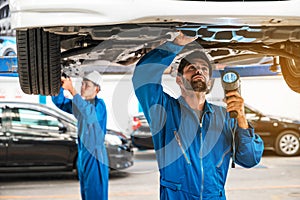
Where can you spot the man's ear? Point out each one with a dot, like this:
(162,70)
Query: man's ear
(98,89)
(179,80)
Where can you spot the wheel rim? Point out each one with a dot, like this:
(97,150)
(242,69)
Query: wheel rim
(289,144)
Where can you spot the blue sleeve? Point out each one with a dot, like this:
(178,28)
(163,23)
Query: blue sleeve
(147,76)
(62,102)
(84,110)
(249,147)
(101,114)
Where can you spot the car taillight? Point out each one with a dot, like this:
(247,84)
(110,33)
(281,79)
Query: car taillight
(136,123)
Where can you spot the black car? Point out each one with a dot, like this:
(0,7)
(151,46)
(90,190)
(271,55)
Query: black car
(37,138)
(279,134)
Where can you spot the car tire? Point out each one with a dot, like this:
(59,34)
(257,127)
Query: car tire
(39,62)
(290,68)
(75,168)
(287,143)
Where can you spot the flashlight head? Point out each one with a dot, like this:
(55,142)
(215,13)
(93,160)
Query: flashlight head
(231,81)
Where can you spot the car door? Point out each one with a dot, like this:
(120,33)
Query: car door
(3,141)
(37,139)
(264,126)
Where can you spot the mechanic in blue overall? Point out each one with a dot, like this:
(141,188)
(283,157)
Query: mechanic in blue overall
(90,112)
(194,140)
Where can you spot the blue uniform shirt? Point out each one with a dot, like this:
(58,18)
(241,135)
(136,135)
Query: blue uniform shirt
(193,154)
(92,163)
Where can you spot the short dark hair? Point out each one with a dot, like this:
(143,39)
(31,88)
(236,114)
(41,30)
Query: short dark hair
(194,55)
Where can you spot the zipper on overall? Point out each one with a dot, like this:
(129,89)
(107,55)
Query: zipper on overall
(181,147)
(201,155)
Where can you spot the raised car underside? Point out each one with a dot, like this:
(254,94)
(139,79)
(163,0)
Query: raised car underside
(117,48)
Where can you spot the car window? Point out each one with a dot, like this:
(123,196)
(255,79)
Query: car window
(250,114)
(33,118)
(248,111)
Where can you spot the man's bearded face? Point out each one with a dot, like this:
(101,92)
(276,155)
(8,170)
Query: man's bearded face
(196,85)
(196,75)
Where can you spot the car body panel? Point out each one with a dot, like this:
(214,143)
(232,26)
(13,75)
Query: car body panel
(120,32)
(120,157)
(3,141)
(37,138)
(76,12)
(267,127)
(8,46)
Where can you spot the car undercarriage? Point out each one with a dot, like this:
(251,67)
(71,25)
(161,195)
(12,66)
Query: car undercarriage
(71,48)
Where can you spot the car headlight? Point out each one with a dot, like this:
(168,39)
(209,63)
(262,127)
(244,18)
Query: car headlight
(112,139)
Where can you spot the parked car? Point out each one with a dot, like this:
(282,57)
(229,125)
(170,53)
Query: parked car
(35,137)
(278,133)
(8,46)
(141,136)
(74,32)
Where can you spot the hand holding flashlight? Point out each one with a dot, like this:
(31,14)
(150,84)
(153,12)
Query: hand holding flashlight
(231,82)
(235,103)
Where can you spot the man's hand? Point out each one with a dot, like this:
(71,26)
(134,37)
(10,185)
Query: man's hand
(235,102)
(183,40)
(68,85)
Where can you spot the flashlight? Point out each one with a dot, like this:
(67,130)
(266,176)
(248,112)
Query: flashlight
(231,82)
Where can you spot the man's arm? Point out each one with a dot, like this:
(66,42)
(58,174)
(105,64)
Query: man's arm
(148,73)
(235,102)
(84,110)
(81,108)
(62,102)
(149,70)
(249,147)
